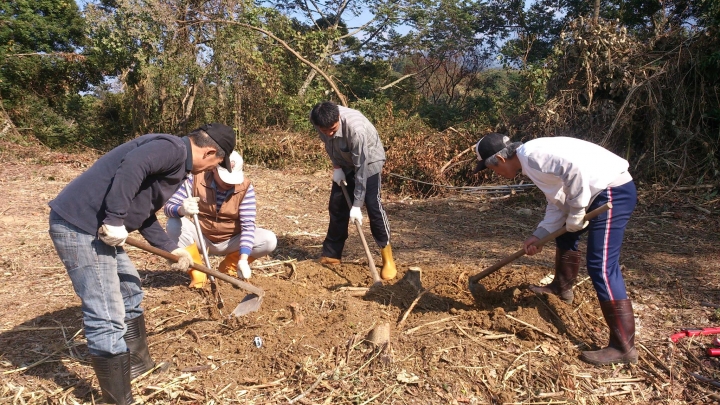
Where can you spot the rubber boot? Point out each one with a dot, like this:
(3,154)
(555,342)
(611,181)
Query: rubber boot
(621,350)
(329,260)
(388,271)
(113,373)
(136,341)
(229,264)
(567,265)
(198,279)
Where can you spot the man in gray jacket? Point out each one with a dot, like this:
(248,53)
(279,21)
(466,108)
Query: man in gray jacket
(357,155)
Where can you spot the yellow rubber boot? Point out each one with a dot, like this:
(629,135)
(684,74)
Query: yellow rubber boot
(198,279)
(229,263)
(388,271)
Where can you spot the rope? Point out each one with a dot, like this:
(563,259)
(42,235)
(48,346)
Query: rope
(471,189)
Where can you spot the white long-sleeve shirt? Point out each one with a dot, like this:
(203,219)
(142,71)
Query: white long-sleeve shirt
(571,173)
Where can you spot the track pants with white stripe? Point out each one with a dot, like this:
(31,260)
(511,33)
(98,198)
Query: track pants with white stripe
(605,237)
(340,215)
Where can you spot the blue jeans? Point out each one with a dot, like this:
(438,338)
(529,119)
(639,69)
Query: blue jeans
(105,280)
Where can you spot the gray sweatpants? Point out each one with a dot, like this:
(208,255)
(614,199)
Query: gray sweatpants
(182,231)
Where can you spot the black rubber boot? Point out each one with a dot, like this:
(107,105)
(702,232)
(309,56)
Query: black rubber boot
(621,350)
(567,265)
(113,373)
(136,341)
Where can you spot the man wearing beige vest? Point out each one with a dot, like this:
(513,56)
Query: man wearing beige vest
(224,202)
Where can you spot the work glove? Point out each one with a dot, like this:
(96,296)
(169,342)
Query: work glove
(338,176)
(113,235)
(356,215)
(575,220)
(185,260)
(189,207)
(244,267)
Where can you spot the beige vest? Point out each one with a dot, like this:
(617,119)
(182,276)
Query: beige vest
(219,226)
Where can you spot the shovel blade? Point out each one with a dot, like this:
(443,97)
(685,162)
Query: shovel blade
(250,303)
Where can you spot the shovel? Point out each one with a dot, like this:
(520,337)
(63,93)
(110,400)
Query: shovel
(250,303)
(476,288)
(201,242)
(371,262)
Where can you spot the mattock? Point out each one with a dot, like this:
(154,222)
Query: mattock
(371,262)
(250,303)
(477,288)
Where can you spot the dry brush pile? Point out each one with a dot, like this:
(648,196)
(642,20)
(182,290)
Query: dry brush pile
(654,101)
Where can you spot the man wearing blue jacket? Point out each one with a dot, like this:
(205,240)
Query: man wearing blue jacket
(89,222)
(576,177)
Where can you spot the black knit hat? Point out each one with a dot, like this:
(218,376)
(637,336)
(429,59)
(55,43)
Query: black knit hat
(487,146)
(224,136)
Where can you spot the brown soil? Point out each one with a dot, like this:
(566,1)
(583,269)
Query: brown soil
(513,347)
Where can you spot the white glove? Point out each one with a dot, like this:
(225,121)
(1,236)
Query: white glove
(575,221)
(113,235)
(184,262)
(356,215)
(338,176)
(189,206)
(244,268)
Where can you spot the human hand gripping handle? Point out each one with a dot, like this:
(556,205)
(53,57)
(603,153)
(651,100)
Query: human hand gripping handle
(338,175)
(356,215)
(371,263)
(244,267)
(539,243)
(184,260)
(113,235)
(189,206)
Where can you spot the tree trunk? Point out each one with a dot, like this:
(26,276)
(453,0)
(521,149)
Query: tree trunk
(306,84)
(238,120)
(313,73)
(596,13)
(187,106)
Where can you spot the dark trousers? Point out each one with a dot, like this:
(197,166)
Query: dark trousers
(605,236)
(340,216)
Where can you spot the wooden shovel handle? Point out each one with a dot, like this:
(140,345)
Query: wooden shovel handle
(371,262)
(222,276)
(508,259)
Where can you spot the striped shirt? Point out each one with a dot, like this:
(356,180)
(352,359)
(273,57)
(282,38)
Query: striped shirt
(247,210)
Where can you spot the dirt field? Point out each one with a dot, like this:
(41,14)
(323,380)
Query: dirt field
(514,347)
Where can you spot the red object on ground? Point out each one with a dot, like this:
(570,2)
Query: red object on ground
(694,332)
(716,342)
(713,351)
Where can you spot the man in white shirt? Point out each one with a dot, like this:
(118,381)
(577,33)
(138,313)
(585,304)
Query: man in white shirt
(577,176)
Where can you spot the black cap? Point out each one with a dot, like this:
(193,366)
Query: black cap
(487,146)
(224,136)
